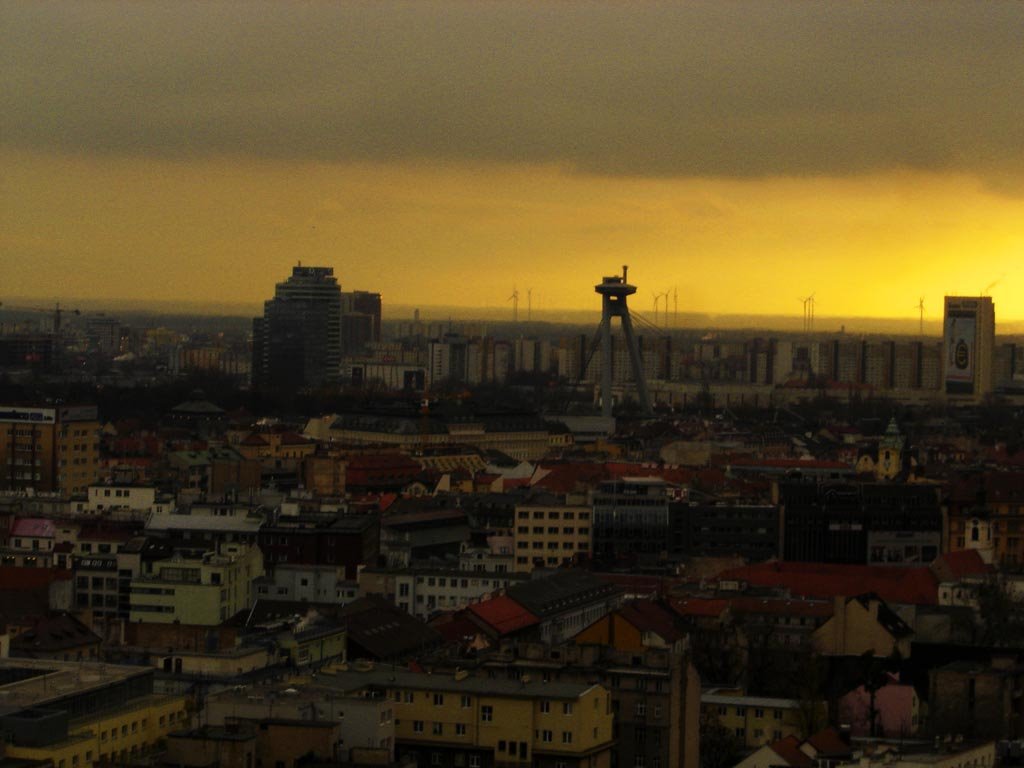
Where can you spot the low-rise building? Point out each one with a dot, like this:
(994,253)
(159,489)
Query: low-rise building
(189,589)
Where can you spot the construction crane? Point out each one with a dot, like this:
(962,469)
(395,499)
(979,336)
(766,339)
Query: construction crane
(58,312)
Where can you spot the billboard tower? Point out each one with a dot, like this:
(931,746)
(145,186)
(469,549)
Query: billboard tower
(614,291)
(969,330)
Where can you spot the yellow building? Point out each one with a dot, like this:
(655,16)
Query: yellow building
(49,450)
(759,720)
(862,625)
(458,720)
(549,536)
(206,590)
(80,715)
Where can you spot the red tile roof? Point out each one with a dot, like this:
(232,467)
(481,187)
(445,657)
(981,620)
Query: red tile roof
(789,750)
(33,527)
(699,606)
(962,563)
(828,742)
(503,614)
(914,586)
(648,616)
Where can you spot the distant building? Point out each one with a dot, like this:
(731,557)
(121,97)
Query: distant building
(969,333)
(297,342)
(631,517)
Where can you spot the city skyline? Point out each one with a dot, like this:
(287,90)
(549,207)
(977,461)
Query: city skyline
(447,154)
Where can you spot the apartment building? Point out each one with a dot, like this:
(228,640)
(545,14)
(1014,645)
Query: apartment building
(450,720)
(756,720)
(188,589)
(49,450)
(550,536)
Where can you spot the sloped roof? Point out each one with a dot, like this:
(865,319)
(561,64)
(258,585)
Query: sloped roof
(562,590)
(649,616)
(34,527)
(699,606)
(828,742)
(912,586)
(789,750)
(384,630)
(503,614)
(964,563)
(54,633)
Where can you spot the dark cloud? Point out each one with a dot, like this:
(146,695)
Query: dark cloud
(717,88)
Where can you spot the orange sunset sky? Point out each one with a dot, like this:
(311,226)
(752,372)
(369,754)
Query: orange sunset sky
(440,152)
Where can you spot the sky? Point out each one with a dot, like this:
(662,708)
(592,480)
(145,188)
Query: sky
(741,155)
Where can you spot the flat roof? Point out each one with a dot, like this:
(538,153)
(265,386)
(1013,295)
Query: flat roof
(383,676)
(42,680)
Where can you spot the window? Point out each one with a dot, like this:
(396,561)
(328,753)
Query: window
(545,707)
(474,761)
(486,713)
(641,709)
(567,708)
(758,712)
(777,714)
(546,736)
(417,726)
(438,729)
(438,699)
(460,729)
(407,697)
(465,702)
(567,737)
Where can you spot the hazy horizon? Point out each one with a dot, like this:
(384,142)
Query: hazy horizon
(694,321)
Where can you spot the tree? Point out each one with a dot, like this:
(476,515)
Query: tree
(719,747)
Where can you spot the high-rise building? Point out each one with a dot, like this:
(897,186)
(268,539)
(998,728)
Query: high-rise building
(360,320)
(297,342)
(969,337)
(49,449)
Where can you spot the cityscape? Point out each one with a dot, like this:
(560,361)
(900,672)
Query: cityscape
(511,385)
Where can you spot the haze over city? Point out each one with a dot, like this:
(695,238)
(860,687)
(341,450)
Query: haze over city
(445,153)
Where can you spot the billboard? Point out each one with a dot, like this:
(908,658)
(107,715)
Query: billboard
(960,350)
(28,415)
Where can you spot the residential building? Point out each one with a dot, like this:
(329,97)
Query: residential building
(343,541)
(550,536)
(461,720)
(757,720)
(189,589)
(84,714)
(49,449)
(425,590)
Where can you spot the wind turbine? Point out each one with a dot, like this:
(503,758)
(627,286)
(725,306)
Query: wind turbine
(920,309)
(514,298)
(529,304)
(657,298)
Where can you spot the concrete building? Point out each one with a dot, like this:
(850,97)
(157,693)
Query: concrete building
(297,342)
(425,590)
(189,589)
(49,449)
(84,714)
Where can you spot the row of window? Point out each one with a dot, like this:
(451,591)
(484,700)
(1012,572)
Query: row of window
(540,515)
(552,530)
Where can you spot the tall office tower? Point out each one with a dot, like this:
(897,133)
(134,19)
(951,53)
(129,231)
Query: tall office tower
(49,449)
(297,342)
(969,338)
(360,320)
